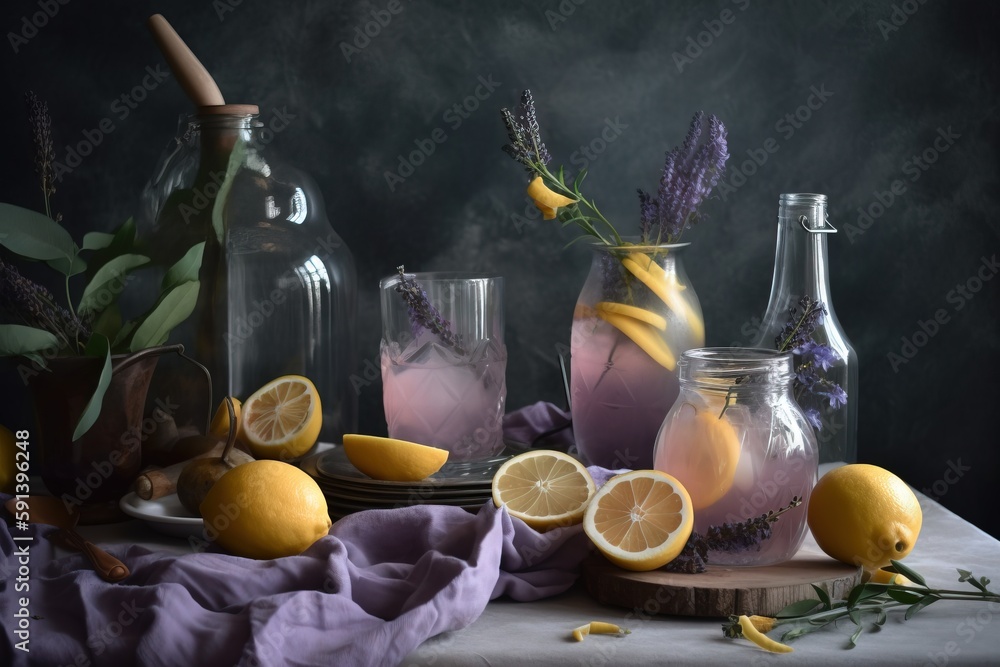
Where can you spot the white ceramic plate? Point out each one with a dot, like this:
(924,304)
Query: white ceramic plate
(165,515)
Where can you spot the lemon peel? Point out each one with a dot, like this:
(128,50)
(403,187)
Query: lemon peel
(547,201)
(599,628)
(762,640)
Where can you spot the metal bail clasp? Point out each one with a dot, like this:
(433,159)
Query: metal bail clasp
(827,228)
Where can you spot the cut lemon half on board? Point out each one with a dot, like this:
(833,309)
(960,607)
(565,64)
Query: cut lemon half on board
(706,456)
(640,520)
(544,488)
(282,419)
(393,460)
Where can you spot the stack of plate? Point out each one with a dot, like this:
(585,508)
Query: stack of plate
(347,489)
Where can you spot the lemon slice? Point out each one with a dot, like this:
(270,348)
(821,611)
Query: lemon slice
(668,289)
(220,422)
(649,317)
(640,520)
(643,335)
(393,460)
(544,488)
(704,454)
(282,419)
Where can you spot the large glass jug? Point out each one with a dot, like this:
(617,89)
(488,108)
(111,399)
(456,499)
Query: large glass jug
(278,285)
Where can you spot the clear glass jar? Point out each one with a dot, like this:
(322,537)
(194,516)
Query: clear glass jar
(278,285)
(623,357)
(741,446)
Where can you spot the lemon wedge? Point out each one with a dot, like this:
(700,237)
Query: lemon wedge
(393,460)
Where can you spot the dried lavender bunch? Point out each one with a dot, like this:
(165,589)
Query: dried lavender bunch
(811,360)
(25,300)
(41,131)
(423,314)
(690,173)
(729,537)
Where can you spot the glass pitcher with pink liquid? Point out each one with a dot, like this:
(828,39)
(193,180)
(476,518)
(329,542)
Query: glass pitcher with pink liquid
(741,446)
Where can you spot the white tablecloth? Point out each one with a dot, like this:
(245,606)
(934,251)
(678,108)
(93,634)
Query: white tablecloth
(537,633)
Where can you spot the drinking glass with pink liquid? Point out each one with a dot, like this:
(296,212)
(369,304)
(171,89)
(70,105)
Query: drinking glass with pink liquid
(443,361)
(741,446)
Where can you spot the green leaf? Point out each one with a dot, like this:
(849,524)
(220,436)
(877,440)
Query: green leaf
(578,181)
(855,616)
(97,240)
(123,335)
(34,235)
(863,592)
(906,597)
(97,346)
(798,632)
(218,207)
(122,243)
(800,608)
(109,322)
(173,308)
(104,288)
(880,618)
(912,575)
(854,637)
(18,339)
(68,266)
(185,269)
(963,575)
(926,600)
(824,597)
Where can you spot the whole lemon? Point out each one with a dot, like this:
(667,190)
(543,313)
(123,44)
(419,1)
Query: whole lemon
(8,449)
(265,509)
(864,515)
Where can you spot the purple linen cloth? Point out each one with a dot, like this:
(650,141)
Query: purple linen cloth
(380,584)
(369,593)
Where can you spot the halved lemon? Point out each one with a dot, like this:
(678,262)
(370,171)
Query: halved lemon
(640,520)
(282,419)
(544,488)
(393,460)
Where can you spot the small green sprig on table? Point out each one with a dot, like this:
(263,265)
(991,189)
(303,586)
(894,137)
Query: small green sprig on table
(871,600)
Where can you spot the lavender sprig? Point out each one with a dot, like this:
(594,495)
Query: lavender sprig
(690,172)
(730,537)
(526,144)
(423,314)
(41,129)
(27,301)
(811,359)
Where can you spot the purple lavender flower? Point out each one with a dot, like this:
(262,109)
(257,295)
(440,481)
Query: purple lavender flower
(25,300)
(690,172)
(820,355)
(814,419)
(423,314)
(811,359)
(802,322)
(522,131)
(733,537)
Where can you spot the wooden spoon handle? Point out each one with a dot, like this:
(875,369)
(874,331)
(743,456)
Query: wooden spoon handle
(108,567)
(191,74)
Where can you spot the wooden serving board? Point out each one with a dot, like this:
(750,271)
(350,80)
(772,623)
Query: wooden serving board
(719,591)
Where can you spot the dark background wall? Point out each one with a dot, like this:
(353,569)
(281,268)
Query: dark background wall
(892,77)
